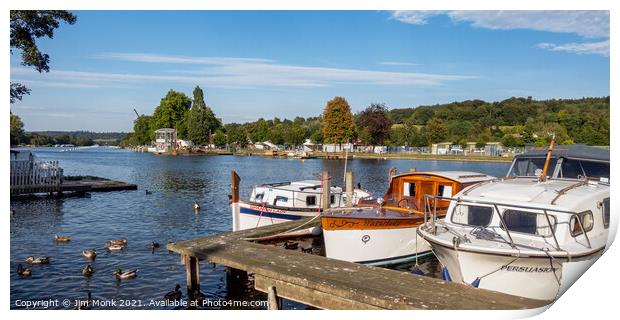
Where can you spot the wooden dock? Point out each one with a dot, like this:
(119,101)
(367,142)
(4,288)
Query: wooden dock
(331,284)
(93,184)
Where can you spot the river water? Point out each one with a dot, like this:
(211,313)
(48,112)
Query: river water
(166,214)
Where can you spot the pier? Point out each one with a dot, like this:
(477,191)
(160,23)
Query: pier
(327,283)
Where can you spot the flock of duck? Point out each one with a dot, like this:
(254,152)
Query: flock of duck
(91,254)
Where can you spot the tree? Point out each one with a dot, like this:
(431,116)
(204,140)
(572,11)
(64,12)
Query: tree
(436,131)
(143,132)
(17,129)
(219,138)
(171,113)
(201,121)
(236,134)
(295,135)
(26,27)
(338,123)
(375,120)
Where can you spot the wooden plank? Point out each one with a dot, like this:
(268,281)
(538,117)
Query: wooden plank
(314,298)
(365,285)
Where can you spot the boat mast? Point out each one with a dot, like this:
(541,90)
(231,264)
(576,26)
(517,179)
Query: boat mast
(543,176)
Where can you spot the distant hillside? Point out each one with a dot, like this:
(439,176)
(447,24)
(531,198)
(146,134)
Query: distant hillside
(83,134)
(583,120)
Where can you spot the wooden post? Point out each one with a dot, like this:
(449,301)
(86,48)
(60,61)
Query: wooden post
(325,185)
(272,299)
(192,275)
(235,280)
(234,201)
(349,187)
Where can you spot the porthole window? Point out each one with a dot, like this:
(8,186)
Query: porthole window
(587,220)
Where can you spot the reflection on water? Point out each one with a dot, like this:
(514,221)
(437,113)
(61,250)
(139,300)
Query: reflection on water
(166,214)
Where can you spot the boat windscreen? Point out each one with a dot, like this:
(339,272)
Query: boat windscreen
(526,167)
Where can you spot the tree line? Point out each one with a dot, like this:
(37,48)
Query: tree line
(515,122)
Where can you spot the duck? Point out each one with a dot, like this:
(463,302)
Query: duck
(37,260)
(120,275)
(148,192)
(24,272)
(89,254)
(88,271)
(174,295)
(154,245)
(115,247)
(122,242)
(169,243)
(196,205)
(58,238)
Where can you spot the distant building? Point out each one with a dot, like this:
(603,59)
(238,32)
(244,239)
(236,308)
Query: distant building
(309,146)
(265,145)
(165,139)
(337,147)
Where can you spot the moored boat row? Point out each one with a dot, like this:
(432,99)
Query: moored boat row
(530,234)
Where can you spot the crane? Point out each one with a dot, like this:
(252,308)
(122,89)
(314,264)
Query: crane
(134,110)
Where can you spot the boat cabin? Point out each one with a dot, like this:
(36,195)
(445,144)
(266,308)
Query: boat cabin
(567,161)
(297,194)
(406,191)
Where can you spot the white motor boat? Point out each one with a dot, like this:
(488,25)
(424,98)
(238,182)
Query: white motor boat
(280,202)
(524,236)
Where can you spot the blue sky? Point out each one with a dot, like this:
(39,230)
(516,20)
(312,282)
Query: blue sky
(255,64)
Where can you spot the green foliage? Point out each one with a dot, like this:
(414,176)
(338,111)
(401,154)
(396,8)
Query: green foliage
(375,122)
(436,131)
(171,113)
(200,120)
(17,129)
(338,123)
(219,138)
(142,130)
(237,134)
(26,27)
(583,120)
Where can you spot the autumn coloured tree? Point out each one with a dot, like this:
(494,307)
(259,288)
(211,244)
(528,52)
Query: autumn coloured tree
(338,122)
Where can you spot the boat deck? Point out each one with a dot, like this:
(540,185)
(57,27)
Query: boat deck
(332,284)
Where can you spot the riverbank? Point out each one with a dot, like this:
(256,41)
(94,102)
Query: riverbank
(386,156)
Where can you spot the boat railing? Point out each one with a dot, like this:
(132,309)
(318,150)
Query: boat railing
(430,216)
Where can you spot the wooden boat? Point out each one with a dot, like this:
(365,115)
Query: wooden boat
(383,231)
(286,201)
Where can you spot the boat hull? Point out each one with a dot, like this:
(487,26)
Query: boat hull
(539,278)
(249,215)
(387,242)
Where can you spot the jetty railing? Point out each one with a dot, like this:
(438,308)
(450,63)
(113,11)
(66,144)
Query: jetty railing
(35,176)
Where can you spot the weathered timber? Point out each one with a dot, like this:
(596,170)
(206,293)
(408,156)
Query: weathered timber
(94,184)
(332,284)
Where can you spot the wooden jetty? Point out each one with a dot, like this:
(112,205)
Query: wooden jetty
(330,284)
(94,184)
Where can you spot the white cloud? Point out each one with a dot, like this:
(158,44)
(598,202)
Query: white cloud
(600,48)
(590,24)
(397,63)
(239,72)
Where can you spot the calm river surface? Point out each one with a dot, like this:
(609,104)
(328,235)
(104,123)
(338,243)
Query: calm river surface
(165,215)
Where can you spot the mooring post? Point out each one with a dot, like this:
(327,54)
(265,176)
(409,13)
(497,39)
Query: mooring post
(234,201)
(272,299)
(325,185)
(192,275)
(349,187)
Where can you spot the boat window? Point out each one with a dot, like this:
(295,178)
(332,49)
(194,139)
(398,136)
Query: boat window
(259,197)
(529,222)
(310,200)
(409,189)
(444,191)
(606,213)
(528,166)
(472,215)
(586,220)
(572,168)
(332,199)
(279,199)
